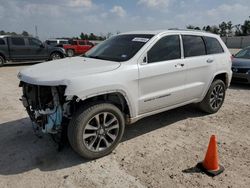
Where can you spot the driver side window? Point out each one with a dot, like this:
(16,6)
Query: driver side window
(167,48)
(34,42)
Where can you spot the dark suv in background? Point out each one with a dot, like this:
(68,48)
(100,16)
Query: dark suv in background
(19,49)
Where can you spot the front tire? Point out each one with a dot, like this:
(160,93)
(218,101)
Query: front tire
(214,98)
(2,61)
(96,131)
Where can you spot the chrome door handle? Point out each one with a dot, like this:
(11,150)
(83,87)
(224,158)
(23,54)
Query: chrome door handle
(210,61)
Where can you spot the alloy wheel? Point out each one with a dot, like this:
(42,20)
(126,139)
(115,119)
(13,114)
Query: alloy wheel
(217,95)
(55,56)
(101,131)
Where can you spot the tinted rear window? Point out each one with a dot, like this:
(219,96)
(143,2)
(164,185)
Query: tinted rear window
(81,43)
(193,46)
(18,41)
(2,42)
(51,42)
(63,42)
(213,46)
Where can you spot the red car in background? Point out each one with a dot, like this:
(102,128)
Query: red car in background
(76,47)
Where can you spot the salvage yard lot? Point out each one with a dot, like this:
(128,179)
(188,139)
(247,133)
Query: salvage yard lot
(159,151)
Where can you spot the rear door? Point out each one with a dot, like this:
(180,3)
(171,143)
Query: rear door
(83,47)
(19,50)
(162,78)
(200,66)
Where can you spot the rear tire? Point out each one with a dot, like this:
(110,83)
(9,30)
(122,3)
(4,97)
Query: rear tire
(55,56)
(96,131)
(70,53)
(2,61)
(214,98)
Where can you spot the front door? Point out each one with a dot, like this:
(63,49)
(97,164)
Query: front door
(162,79)
(38,51)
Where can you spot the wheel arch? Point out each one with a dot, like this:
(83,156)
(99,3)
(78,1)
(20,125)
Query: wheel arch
(3,56)
(117,98)
(222,76)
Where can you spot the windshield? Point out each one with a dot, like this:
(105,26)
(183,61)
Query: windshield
(245,54)
(119,48)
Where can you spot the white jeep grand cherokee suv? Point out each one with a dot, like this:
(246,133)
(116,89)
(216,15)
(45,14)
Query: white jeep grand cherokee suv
(123,79)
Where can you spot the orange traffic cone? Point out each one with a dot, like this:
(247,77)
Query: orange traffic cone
(210,165)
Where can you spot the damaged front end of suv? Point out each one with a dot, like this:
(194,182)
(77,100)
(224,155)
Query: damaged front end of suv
(46,106)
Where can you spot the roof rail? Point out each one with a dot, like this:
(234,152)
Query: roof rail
(187,30)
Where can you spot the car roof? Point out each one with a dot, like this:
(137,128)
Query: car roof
(3,36)
(57,39)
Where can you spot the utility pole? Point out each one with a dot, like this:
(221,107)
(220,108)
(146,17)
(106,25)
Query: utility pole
(36,31)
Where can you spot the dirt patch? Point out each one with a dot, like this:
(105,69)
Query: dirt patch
(159,151)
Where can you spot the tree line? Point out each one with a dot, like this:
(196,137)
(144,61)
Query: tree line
(24,33)
(226,28)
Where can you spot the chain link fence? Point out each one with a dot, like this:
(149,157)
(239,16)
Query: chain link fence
(237,42)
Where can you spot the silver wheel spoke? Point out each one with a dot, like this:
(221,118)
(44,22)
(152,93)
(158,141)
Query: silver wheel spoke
(115,126)
(97,119)
(87,135)
(113,137)
(104,117)
(106,142)
(92,142)
(98,144)
(110,122)
(91,127)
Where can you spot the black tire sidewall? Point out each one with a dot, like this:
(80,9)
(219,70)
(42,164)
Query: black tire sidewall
(80,121)
(2,61)
(206,105)
(54,53)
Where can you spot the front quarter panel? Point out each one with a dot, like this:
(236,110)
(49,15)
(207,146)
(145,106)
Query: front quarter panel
(123,80)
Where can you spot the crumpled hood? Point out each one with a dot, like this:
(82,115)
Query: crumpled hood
(239,62)
(60,72)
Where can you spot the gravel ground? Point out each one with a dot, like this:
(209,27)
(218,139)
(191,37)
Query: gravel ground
(159,151)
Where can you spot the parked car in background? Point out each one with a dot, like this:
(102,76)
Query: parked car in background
(19,48)
(76,47)
(241,66)
(125,78)
(57,42)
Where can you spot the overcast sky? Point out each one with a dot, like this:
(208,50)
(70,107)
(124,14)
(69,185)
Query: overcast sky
(58,18)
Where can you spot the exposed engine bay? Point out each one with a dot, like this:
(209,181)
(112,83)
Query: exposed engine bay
(46,106)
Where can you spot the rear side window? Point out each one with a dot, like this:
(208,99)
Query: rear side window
(63,42)
(193,46)
(167,48)
(2,42)
(18,41)
(81,43)
(51,42)
(90,44)
(213,46)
